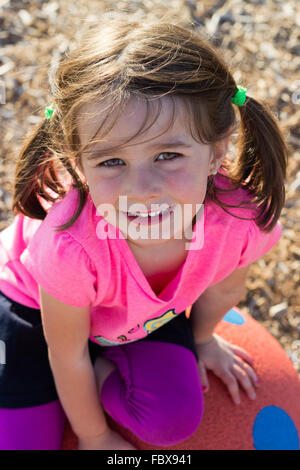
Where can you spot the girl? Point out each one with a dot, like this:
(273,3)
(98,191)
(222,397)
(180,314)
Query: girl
(135,141)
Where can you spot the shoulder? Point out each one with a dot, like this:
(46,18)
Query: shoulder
(240,197)
(59,260)
(232,218)
(62,211)
(81,231)
(47,236)
(234,227)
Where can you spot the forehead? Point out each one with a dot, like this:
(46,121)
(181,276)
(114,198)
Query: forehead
(140,117)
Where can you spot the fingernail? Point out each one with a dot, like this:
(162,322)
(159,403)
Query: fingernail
(204,388)
(238,401)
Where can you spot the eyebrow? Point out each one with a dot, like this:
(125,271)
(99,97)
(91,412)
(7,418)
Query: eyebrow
(97,153)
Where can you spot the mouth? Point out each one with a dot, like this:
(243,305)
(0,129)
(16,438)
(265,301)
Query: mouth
(148,219)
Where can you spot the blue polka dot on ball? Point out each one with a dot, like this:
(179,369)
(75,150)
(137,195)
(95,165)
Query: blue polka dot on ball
(273,429)
(233,316)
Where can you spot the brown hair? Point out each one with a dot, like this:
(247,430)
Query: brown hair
(120,57)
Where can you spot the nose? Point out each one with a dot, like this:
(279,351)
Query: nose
(143,185)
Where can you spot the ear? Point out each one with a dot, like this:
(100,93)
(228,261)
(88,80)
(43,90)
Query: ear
(219,152)
(79,169)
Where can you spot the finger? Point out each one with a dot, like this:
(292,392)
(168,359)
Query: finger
(245,381)
(251,373)
(243,354)
(232,384)
(203,376)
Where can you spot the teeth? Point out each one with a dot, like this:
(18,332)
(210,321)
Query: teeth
(151,214)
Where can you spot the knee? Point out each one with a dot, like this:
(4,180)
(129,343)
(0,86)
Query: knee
(172,419)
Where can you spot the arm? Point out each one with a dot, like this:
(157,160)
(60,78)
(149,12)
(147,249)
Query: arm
(66,330)
(215,301)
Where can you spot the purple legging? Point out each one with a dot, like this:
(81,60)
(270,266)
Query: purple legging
(155,392)
(35,428)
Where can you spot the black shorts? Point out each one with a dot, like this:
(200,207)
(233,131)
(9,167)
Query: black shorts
(25,374)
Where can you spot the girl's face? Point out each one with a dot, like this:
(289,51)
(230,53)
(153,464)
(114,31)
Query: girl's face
(158,167)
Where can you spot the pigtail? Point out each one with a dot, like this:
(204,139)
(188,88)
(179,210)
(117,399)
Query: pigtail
(37,173)
(34,170)
(262,161)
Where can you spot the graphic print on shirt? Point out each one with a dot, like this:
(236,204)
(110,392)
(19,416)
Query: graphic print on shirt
(149,327)
(154,323)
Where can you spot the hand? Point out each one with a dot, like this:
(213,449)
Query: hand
(109,440)
(228,362)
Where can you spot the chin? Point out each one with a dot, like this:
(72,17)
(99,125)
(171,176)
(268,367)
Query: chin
(148,242)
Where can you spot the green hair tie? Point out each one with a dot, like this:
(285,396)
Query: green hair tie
(240,97)
(49,111)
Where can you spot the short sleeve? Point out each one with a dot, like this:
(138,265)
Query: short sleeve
(61,266)
(258,243)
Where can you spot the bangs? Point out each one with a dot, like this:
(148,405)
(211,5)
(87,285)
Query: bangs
(194,113)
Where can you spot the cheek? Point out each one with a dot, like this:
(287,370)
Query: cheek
(104,191)
(188,186)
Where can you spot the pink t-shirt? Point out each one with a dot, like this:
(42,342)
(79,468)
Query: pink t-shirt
(82,267)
